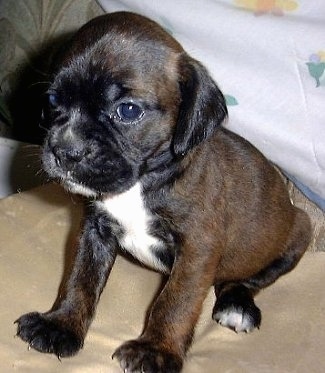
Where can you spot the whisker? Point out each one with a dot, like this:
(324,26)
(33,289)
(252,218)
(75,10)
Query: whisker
(40,172)
(39,83)
(29,145)
(41,126)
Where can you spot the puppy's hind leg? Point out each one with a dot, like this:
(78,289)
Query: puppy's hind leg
(235,307)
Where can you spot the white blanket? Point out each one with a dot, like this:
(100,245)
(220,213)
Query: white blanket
(268,57)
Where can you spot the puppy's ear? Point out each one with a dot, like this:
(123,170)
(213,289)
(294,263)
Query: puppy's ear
(202,107)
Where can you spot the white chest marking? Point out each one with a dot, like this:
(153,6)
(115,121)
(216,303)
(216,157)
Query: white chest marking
(129,210)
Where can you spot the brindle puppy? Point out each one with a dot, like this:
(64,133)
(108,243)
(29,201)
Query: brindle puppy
(135,126)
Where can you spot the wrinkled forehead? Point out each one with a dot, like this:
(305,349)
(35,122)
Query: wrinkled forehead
(138,61)
(124,64)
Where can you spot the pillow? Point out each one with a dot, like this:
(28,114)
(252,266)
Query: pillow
(268,57)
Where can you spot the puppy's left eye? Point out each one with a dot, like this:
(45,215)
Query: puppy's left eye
(129,112)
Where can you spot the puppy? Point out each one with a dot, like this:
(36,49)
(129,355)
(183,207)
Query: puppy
(135,126)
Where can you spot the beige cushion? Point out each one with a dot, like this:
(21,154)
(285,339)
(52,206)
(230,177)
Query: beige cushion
(36,229)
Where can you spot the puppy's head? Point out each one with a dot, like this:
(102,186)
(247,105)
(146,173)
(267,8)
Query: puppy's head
(124,94)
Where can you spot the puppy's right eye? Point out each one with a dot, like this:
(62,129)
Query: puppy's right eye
(53,100)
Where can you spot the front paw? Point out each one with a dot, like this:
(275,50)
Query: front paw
(142,357)
(46,335)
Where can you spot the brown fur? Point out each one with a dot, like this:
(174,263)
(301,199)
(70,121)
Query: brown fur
(219,209)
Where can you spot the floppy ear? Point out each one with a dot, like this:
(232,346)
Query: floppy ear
(202,108)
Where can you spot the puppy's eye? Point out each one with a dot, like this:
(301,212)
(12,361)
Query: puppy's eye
(129,112)
(53,100)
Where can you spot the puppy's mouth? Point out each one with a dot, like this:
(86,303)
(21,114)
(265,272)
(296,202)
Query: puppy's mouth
(78,188)
(92,175)
(66,177)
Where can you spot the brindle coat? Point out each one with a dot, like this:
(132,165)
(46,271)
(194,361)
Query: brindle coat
(134,124)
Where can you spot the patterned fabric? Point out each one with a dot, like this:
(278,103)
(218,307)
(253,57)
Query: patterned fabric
(275,7)
(268,57)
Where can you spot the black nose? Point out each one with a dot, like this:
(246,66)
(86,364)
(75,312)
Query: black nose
(68,153)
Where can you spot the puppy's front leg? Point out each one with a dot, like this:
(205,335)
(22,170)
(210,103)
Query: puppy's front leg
(169,331)
(62,329)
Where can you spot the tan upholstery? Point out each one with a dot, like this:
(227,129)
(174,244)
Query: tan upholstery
(36,230)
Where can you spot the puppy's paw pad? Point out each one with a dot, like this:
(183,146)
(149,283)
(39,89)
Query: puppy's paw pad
(45,335)
(138,357)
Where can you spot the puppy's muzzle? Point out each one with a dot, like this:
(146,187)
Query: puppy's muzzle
(66,148)
(68,153)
